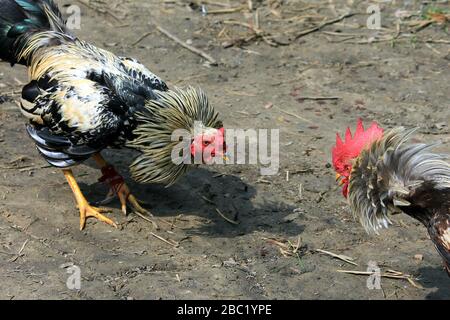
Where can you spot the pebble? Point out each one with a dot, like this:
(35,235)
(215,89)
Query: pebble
(418,257)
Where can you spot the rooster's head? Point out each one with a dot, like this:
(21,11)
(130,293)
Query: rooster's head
(208,144)
(179,124)
(345,151)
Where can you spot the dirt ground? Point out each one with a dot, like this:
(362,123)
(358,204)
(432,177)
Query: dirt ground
(402,81)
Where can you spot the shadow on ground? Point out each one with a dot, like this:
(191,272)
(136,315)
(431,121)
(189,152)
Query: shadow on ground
(202,193)
(436,278)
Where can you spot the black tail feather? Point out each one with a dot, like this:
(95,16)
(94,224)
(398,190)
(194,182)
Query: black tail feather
(57,150)
(19,18)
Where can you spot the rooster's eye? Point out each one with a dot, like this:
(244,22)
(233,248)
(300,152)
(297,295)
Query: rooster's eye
(206,143)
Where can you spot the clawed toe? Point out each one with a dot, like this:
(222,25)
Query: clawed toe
(87,211)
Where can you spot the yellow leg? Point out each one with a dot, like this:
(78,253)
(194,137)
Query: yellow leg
(86,210)
(101,162)
(121,190)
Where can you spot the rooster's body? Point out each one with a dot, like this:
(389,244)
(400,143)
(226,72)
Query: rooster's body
(390,175)
(82,99)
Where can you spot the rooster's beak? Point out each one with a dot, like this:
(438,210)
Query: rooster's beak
(338,177)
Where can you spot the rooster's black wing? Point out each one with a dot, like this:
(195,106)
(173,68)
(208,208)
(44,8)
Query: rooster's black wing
(69,123)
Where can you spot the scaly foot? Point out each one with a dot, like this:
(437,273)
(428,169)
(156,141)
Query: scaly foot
(88,211)
(120,189)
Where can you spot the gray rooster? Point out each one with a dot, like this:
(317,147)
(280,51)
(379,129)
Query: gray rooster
(382,173)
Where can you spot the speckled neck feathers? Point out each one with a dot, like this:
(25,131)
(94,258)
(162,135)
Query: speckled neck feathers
(389,176)
(171,110)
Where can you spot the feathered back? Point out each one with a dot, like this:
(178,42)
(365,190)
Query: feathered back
(171,110)
(391,176)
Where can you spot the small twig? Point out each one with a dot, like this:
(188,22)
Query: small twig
(422,25)
(282,247)
(19,253)
(437,41)
(242,24)
(26,168)
(240,41)
(276,242)
(34,168)
(208,200)
(219,175)
(296,247)
(18,159)
(23,247)
(199,52)
(141,38)
(155,225)
(338,256)
(228,10)
(227,219)
(318,98)
(214,3)
(169,242)
(294,115)
(255,29)
(388,274)
(263,181)
(341,40)
(342,34)
(324,24)
(433,49)
(286,248)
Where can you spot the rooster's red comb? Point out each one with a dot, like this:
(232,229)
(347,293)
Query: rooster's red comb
(352,145)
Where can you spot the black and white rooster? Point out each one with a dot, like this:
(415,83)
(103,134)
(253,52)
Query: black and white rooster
(81,99)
